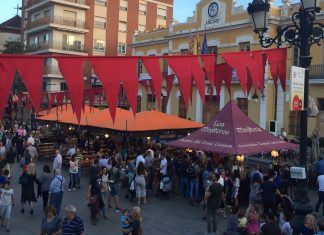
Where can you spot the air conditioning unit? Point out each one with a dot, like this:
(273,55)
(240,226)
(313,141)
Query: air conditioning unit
(273,127)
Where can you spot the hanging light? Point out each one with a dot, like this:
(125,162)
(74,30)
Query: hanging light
(274,153)
(148,138)
(188,133)
(240,158)
(47,126)
(70,128)
(259,10)
(106,135)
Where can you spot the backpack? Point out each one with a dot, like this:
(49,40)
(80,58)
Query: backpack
(192,173)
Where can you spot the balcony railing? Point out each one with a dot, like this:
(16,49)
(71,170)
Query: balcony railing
(56,20)
(33,2)
(316,71)
(57,45)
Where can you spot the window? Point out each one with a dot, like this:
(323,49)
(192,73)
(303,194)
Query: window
(150,104)
(243,104)
(45,37)
(165,67)
(101,2)
(295,56)
(47,13)
(140,67)
(69,18)
(100,22)
(161,13)
(294,123)
(141,28)
(121,48)
(122,26)
(142,9)
(123,5)
(164,104)
(184,51)
(63,86)
(211,107)
(213,50)
(99,45)
(244,46)
(182,108)
(320,104)
(37,16)
(36,40)
(139,104)
(68,40)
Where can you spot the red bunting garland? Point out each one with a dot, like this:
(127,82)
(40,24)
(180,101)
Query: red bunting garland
(7,72)
(277,63)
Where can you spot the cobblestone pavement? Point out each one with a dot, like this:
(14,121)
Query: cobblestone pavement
(173,216)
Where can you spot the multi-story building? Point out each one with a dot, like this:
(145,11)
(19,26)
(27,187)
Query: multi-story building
(87,27)
(229,28)
(10,31)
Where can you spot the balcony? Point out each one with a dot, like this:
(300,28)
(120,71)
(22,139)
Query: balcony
(316,71)
(57,47)
(56,21)
(34,4)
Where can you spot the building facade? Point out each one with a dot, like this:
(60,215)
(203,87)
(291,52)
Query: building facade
(10,31)
(229,29)
(87,27)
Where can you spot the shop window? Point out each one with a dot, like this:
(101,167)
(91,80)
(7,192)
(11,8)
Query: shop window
(182,108)
(243,104)
(244,46)
(99,45)
(211,107)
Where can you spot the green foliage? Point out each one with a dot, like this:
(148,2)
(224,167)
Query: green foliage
(13,47)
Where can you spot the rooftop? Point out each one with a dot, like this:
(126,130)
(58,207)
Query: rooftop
(13,25)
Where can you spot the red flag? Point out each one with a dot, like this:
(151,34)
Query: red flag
(72,71)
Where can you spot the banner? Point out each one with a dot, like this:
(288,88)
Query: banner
(297,85)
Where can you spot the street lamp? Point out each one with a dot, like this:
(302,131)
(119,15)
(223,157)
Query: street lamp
(302,33)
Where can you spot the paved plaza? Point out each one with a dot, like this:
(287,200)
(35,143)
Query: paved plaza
(173,216)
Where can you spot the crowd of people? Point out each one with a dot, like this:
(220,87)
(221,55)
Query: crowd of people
(145,170)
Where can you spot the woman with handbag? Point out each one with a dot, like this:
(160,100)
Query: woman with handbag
(94,196)
(73,172)
(27,180)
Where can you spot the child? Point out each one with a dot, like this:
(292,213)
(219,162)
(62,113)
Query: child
(7,202)
(4,178)
(125,220)
(320,227)
(286,227)
(252,215)
(242,222)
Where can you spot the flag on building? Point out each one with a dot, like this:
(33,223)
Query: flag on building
(191,43)
(196,46)
(204,48)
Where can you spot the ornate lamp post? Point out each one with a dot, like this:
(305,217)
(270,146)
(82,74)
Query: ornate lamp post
(303,33)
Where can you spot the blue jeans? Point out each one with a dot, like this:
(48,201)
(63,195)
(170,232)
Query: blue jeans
(194,189)
(73,179)
(56,201)
(104,198)
(184,186)
(78,177)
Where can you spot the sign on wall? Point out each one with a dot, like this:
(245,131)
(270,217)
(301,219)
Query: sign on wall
(297,83)
(213,14)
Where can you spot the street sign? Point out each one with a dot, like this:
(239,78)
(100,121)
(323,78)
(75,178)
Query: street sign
(297,82)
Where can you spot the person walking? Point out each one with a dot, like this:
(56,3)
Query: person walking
(320,182)
(73,171)
(140,184)
(213,198)
(32,151)
(27,180)
(56,190)
(45,180)
(115,177)
(10,160)
(51,223)
(94,196)
(79,159)
(7,201)
(104,191)
(72,224)
(57,163)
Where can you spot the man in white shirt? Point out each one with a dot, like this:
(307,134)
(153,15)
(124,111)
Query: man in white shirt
(139,159)
(31,140)
(57,163)
(163,165)
(320,182)
(71,151)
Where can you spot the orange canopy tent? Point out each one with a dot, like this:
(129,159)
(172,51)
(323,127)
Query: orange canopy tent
(125,121)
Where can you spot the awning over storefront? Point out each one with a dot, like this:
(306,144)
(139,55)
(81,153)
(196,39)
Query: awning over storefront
(232,132)
(125,120)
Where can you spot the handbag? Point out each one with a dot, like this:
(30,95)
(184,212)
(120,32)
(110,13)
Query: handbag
(93,199)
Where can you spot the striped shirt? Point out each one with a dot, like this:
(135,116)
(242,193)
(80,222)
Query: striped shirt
(74,227)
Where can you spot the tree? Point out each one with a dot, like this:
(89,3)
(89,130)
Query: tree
(13,47)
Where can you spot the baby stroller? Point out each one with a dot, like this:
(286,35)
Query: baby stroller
(165,186)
